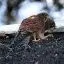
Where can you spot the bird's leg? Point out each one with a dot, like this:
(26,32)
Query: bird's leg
(44,37)
(35,35)
(50,30)
(50,35)
(41,35)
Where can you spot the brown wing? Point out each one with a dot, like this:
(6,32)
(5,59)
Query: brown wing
(32,24)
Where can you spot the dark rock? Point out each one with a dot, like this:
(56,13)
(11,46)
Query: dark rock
(26,51)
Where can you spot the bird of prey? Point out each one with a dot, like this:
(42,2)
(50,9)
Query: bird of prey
(37,25)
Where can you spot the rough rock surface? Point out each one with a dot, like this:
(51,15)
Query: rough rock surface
(24,51)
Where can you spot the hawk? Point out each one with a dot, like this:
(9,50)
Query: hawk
(37,25)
